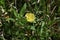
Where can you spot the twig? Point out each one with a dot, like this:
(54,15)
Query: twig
(53,10)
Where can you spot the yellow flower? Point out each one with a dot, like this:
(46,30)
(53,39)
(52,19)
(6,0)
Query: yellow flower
(30,17)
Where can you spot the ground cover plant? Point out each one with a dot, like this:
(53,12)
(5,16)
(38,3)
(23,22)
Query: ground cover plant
(29,19)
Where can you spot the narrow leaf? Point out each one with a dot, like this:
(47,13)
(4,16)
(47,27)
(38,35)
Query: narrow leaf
(23,10)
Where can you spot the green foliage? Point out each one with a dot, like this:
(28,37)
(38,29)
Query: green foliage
(22,11)
(14,26)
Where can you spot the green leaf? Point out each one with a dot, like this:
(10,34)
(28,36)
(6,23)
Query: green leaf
(10,19)
(43,23)
(2,2)
(22,11)
(42,27)
(15,13)
(32,27)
